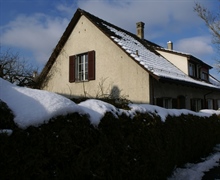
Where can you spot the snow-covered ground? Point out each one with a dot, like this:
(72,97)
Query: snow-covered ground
(196,171)
(35,107)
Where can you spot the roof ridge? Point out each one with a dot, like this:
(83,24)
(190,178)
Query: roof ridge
(148,44)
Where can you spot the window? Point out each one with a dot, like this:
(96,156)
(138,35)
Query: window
(192,70)
(218,103)
(210,103)
(196,104)
(82,67)
(204,74)
(165,102)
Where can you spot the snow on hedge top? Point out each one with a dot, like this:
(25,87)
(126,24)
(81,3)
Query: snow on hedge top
(35,107)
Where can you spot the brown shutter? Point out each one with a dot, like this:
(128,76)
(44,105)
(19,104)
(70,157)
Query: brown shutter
(91,65)
(174,103)
(214,104)
(159,102)
(71,68)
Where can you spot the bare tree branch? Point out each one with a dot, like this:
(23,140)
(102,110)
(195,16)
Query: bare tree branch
(15,70)
(212,21)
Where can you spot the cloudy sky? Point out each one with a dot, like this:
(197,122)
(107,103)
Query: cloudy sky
(33,27)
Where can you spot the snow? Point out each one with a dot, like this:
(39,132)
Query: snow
(96,109)
(163,113)
(210,111)
(33,107)
(157,64)
(196,171)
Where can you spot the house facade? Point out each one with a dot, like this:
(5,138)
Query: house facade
(95,58)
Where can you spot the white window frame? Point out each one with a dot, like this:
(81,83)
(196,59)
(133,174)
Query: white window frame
(81,67)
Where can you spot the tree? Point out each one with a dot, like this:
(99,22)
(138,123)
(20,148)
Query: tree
(15,70)
(212,21)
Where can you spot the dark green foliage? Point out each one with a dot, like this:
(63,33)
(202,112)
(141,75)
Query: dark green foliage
(120,102)
(6,117)
(69,147)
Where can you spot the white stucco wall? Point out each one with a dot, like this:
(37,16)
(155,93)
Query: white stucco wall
(179,61)
(114,68)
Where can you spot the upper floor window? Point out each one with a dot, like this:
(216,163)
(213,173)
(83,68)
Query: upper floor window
(192,70)
(82,67)
(204,74)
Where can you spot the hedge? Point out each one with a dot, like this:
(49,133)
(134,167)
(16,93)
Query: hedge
(69,147)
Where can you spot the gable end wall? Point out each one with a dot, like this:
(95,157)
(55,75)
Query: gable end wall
(115,70)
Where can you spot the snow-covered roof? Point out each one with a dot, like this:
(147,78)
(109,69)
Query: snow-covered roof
(140,50)
(150,60)
(143,52)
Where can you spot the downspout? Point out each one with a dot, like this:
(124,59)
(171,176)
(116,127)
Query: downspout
(204,104)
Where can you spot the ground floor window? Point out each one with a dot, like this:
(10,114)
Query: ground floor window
(168,102)
(196,104)
(164,102)
(210,103)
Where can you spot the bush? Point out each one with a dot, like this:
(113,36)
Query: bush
(6,118)
(69,147)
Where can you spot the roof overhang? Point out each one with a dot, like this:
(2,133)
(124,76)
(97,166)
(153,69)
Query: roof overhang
(186,83)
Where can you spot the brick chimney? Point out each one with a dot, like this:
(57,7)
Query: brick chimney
(170,45)
(140,30)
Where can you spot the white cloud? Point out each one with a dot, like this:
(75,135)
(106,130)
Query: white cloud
(38,33)
(164,14)
(198,46)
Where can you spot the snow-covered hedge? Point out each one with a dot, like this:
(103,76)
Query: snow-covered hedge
(142,147)
(46,136)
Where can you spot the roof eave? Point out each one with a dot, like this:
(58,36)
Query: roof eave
(186,83)
(58,48)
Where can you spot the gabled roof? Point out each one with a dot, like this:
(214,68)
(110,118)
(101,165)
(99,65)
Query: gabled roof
(141,51)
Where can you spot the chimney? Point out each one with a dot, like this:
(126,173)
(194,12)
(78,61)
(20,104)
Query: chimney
(140,30)
(170,45)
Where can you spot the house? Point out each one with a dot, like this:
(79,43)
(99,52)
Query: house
(95,58)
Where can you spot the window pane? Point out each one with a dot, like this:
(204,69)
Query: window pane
(191,69)
(81,72)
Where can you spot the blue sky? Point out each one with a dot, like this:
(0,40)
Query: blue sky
(33,27)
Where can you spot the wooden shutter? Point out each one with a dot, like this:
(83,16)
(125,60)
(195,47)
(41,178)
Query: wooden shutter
(159,102)
(91,65)
(72,69)
(174,103)
(215,104)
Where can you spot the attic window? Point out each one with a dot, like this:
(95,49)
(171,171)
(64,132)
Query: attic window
(82,67)
(192,70)
(204,74)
